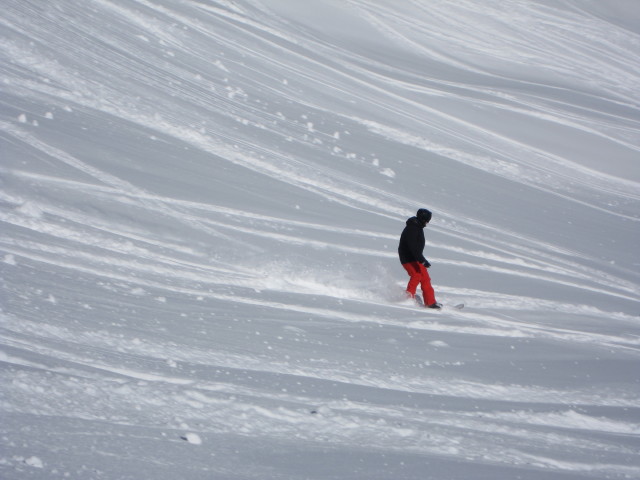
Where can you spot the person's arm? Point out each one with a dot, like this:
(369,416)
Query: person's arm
(416,246)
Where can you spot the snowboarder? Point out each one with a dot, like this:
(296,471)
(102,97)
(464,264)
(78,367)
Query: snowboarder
(412,258)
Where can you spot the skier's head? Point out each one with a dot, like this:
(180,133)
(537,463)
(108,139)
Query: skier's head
(423,216)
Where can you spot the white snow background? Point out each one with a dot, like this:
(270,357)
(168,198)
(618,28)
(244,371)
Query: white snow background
(201,202)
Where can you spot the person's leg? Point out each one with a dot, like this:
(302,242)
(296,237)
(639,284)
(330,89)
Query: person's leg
(415,276)
(428,293)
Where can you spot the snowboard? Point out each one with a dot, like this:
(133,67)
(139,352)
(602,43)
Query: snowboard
(459,306)
(420,303)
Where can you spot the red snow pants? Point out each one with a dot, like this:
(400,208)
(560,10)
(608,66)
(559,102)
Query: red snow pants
(419,275)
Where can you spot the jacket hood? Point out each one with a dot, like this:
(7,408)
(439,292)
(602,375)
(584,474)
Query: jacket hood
(414,221)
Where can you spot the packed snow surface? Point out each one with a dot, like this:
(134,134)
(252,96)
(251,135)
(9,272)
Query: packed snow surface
(201,202)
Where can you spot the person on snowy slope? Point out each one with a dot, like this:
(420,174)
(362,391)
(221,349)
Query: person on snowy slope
(412,258)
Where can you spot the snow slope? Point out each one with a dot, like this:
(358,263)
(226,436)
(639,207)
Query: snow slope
(200,205)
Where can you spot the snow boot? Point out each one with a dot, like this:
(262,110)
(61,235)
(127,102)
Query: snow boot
(415,298)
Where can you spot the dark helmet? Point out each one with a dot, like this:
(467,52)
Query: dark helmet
(424,215)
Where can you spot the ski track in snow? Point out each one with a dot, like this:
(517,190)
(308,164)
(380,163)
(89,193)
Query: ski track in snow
(200,203)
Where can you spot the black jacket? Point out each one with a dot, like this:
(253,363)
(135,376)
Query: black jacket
(412,242)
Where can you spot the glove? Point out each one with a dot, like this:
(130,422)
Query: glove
(426,263)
